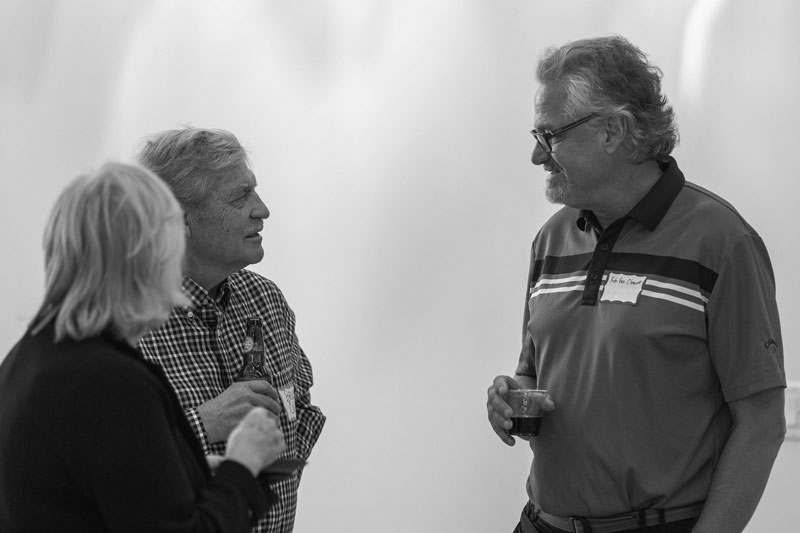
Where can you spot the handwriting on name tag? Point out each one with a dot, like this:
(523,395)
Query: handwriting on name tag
(624,288)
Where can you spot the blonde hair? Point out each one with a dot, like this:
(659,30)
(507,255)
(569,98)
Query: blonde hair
(113,250)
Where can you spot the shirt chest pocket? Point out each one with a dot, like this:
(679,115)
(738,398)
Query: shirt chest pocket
(280,359)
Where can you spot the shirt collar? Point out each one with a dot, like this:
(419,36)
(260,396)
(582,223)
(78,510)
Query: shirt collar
(653,205)
(200,298)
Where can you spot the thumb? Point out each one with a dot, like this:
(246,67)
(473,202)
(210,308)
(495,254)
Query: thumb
(503,384)
(548,404)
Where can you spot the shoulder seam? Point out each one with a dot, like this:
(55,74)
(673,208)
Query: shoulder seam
(722,202)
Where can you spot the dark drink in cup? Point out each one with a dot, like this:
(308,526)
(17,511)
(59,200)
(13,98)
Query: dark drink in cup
(525,426)
(526,411)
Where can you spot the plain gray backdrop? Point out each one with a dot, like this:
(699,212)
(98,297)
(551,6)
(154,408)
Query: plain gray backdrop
(390,141)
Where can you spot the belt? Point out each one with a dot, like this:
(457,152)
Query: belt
(622,522)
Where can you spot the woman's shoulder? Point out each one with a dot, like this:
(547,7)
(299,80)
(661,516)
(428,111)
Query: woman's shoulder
(97,365)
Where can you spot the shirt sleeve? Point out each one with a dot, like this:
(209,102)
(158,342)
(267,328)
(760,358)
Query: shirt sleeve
(744,332)
(199,429)
(527,356)
(310,419)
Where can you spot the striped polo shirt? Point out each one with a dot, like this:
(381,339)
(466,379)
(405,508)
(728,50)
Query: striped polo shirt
(642,333)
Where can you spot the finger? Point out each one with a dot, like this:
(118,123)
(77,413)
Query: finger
(503,384)
(275,409)
(504,436)
(497,404)
(257,416)
(272,406)
(498,420)
(255,413)
(263,387)
(273,443)
(548,404)
(269,424)
(276,438)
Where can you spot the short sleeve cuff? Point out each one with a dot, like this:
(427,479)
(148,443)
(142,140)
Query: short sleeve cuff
(311,422)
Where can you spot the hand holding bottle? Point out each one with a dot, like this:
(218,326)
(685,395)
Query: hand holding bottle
(252,388)
(221,414)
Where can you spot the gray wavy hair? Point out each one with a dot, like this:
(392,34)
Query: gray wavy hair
(610,76)
(190,159)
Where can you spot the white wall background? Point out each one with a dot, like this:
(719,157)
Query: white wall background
(390,140)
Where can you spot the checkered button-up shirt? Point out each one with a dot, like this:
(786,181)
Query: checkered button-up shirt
(200,350)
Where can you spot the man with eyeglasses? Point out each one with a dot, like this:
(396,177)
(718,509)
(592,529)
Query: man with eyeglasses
(650,319)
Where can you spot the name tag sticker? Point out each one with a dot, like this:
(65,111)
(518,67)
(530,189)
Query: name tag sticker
(624,288)
(287,398)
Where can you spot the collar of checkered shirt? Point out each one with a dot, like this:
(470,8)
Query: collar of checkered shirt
(201,302)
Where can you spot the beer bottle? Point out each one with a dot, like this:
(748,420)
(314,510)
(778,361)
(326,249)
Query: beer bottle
(254,366)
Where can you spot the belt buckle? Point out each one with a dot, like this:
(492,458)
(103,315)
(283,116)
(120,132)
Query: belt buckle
(579,525)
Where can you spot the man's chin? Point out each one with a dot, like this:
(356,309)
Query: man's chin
(257,256)
(251,256)
(555,195)
(557,190)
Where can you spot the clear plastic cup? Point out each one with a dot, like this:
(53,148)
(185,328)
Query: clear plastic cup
(526,407)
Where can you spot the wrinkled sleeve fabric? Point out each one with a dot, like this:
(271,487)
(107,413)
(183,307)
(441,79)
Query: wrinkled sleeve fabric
(744,333)
(310,419)
(196,423)
(527,356)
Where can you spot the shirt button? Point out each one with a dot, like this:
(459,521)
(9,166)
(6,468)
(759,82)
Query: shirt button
(190,314)
(604,247)
(593,275)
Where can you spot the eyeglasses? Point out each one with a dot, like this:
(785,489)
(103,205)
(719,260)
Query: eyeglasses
(543,138)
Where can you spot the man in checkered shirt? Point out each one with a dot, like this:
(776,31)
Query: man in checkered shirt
(200,347)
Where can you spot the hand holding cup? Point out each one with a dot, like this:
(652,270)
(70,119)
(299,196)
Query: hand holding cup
(501,412)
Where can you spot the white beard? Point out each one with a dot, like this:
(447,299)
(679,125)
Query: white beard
(558,190)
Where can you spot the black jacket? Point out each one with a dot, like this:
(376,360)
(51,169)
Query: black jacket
(92,438)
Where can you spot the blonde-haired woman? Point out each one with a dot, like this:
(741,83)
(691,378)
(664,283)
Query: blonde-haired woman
(92,437)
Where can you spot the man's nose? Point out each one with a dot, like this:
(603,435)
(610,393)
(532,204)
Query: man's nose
(260,210)
(539,155)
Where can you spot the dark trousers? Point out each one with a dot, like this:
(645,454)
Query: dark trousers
(530,524)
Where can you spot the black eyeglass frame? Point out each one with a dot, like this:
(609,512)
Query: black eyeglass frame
(544,137)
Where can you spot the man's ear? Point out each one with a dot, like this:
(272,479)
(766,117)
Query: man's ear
(616,129)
